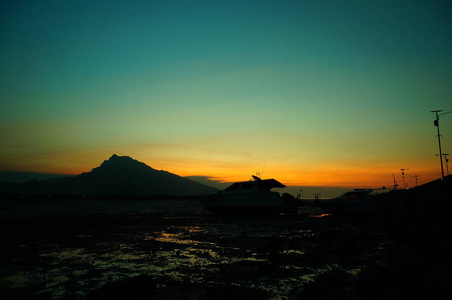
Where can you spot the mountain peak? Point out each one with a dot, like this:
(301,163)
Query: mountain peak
(119,175)
(122,163)
(115,159)
(125,175)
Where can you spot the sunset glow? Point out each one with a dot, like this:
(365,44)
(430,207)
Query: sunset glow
(312,93)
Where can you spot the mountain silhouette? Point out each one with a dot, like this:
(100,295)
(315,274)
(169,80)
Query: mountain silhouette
(119,175)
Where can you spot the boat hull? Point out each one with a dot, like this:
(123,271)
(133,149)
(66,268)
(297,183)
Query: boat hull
(253,204)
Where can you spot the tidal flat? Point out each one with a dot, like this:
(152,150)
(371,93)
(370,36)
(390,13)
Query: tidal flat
(173,249)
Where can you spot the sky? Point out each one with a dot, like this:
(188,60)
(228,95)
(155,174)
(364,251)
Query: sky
(312,93)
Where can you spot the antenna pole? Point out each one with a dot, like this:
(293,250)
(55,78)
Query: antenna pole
(263,169)
(403,178)
(395,182)
(436,123)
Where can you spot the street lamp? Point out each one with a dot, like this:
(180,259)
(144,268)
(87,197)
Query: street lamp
(436,123)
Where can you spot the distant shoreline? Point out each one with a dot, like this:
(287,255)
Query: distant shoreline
(63,197)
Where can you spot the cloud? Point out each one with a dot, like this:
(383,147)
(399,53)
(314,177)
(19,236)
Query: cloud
(210,181)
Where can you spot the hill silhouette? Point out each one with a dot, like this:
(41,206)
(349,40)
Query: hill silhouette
(20,177)
(119,175)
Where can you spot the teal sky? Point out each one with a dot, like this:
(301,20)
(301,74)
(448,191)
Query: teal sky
(320,92)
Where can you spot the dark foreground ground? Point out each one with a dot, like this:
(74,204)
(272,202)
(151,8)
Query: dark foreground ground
(172,249)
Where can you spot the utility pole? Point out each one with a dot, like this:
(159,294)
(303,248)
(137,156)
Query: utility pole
(447,162)
(403,178)
(436,123)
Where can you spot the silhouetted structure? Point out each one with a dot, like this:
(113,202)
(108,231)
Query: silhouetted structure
(251,197)
(119,175)
(436,123)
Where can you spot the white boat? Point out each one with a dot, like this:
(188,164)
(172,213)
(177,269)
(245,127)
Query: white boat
(362,201)
(251,197)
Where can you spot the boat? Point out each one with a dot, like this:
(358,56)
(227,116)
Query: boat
(251,197)
(362,201)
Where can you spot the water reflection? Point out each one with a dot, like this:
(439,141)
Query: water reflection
(319,215)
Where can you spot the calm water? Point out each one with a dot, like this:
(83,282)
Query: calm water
(56,207)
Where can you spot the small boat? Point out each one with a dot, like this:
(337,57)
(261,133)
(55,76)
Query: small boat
(251,197)
(362,201)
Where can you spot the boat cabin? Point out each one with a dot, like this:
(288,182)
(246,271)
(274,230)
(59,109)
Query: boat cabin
(258,184)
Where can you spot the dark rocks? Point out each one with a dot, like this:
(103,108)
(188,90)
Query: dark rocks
(236,293)
(332,284)
(140,288)
(194,256)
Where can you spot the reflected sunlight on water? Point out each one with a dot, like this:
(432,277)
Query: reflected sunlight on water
(319,216)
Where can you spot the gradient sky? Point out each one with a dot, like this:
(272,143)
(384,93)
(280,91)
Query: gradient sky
(313,93)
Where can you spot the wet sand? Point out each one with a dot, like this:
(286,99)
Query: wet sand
(173,249)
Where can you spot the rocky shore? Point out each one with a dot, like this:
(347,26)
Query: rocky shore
(172,249)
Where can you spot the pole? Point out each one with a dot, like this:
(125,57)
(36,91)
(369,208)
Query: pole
(403,178)
(395,182)
(436,123)
(447,162)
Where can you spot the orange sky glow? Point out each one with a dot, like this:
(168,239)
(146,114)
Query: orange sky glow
(312,93)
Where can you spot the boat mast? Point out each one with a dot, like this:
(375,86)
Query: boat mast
(395,182)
